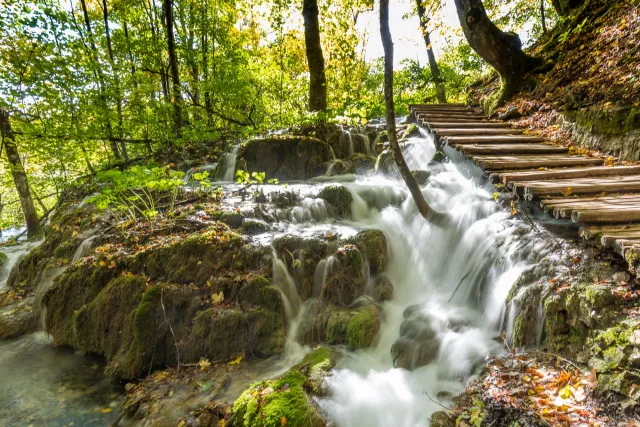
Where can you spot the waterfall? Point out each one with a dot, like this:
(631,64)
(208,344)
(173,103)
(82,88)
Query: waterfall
(227,167)
(367,144)
(211,169)
(14,254)
(453,278)
(83,248)
(346,135)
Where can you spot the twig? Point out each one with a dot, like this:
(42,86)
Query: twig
(437,403)
(559,357)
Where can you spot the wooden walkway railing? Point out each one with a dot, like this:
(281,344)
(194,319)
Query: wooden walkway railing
(604,200)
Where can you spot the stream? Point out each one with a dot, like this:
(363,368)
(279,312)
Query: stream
(450,281)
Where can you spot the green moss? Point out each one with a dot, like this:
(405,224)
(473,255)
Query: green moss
(421,176)
(337,328)
(339,198)
(363,327)
(606,121)
(259,291)
(373,245)
(347,280)
(266,403)
(411,131)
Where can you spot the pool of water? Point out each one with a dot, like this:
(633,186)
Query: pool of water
(41,385)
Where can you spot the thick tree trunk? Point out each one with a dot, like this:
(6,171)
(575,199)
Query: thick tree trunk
(318,80)
(167,6)
(433,64)
(543,20)
(405,172)
(19,176)
(503,51)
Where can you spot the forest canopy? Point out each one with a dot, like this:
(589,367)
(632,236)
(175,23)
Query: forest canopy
(87,83)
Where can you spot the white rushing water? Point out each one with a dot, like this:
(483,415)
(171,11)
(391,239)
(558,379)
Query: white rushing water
(455,279)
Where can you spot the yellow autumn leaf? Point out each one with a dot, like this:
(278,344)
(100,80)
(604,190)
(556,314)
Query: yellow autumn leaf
(106,410)
(102,263)
(236,360)
(283,421)
(567,192)
(112,264)
(204,364)
(217,298)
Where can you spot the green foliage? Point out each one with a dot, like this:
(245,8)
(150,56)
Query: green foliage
(133,192)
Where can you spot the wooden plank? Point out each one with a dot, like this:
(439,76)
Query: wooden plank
(577,200)
(497,139)
(532,162)
(510,149)
(567,210)
(621,246)
(437,105)
(466,124)
(449,117)
(610,216)
(448,111)
(580,186)
(595,230)
(477,131)
(607,240)
(601,171)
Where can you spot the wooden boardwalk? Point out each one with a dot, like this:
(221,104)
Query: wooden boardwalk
(603,200)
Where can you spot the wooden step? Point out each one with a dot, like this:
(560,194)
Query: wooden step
(465,124)
(596,230)
(439,117)
(497,139)
(511,149)
(440,105)
(580,186)
(607,240)
(476,131)
(621,246)
(460,111)
(565,211)
(511,177)
(427,123)
(494,163)
(606,216)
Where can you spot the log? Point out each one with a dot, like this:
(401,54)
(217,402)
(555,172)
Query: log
(437,105)
(566,211)
(567,201)
(603,216)
(509,177)
(621,246)
(510,149)
(532,162)
(477,131)
(497,139)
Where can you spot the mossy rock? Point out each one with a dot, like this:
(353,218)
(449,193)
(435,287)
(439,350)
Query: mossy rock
(373,245)
(339,167)
(339,198)
(301,256)
(363,327)
(443,419)
(385,163)
(254,226)
(347,279)
(411,131)
(383,288)
(362,163)
(259,292)
(286,400)
(421,176)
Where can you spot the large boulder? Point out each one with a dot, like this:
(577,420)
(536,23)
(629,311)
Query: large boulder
(346,280)
(287,157)
(373,246)
(339,198)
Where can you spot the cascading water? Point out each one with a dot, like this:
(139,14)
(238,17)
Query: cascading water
(14,254)
(450,287)
(227,166)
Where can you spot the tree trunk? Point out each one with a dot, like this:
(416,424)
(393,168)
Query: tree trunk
(409,179)
(503,51)
(19,176)
(565,7)
(318,80)
(167,6)
(433,64)
(542,17)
